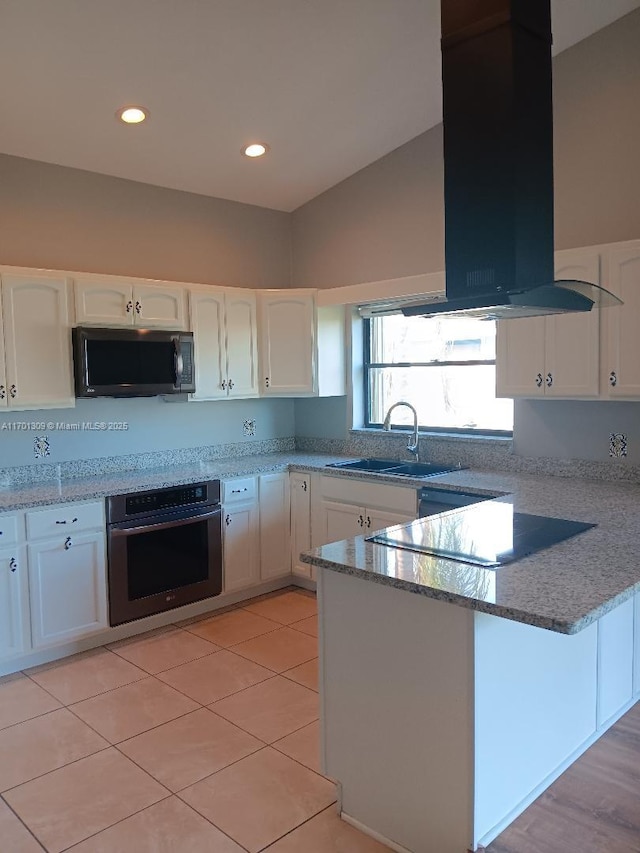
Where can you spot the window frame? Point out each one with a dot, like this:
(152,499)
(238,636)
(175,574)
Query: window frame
(367,365)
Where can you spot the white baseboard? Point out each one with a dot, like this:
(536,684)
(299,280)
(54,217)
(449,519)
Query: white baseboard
(373,834)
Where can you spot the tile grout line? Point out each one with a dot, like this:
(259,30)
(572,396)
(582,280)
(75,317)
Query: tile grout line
(295,828)
(17,816)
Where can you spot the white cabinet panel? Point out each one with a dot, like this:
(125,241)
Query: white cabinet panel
(4,385)
(342,521)
(67,588)
(65,519)
(160,307)
(114,302)
(376,519)
(636,644)
(242,343)
(275,554)
(103,303)
(240,554)
(287,331)
(300,496)
(11,530)
(557,355)
(621,364)
(14,602)
(37,341)
(615,661)
(224,324)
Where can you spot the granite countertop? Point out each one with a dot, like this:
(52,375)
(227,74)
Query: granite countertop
(85,488)
(563,588)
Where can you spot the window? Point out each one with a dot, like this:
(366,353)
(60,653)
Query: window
(444,366)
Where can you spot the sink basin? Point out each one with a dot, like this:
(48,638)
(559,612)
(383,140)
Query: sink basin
(393,466)
(420,469)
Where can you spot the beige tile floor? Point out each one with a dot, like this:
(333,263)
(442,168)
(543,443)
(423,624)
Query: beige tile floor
(201,737)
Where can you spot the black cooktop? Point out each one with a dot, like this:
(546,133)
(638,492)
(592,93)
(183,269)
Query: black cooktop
(487,534)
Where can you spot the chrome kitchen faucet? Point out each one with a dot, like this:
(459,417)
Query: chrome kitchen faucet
(412,447)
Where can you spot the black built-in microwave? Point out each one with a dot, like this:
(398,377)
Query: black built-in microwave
(132,362)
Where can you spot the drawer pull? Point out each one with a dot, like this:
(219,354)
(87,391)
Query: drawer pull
(67,543)
(239,491)
(73,521)
(13,564)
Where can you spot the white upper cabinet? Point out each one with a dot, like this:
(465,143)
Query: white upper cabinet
(38,371)
(225,335)
(621,341)
(106,302)
(302,348)
(557,355)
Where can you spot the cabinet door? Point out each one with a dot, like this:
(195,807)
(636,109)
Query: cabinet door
(572,341)
(615,661)
(520,357)
(67,588)
(207,323)
(622,358)
(157,307)
(287,343)
(300,491)
(240,546)
(4,391)
(377,519)
(275,554)
(636,644)
(37,334)
(341,521)
(14,605)
(242,343)
(103,303)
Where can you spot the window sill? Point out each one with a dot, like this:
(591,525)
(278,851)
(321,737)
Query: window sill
(494,440)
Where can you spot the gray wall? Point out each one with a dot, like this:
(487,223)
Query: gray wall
(153,425)
(52,216)
(61,218)
(386,221)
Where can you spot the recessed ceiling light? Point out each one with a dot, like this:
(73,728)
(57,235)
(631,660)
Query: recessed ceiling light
(132,115)
(256,149)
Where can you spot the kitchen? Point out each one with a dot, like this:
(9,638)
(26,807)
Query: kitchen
(87,233)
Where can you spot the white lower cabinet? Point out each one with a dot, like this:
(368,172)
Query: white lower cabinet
(615,661)
(67,588)
(275,556)
(240,550)
(14,602)
(300,490)
(636,644)
(355,507)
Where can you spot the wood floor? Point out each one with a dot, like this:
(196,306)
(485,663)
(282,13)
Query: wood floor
(594,807)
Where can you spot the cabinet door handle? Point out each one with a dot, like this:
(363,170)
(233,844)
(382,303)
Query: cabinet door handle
(369,522)
(129,307)
(227,520)
(3,393)
(360,521)
(13,392)
(223,384)
(539,380)
(67,543)
(266,382)
(230,384)
(613,379)
(549,380)
(138,307)
(13,564)
(304,485)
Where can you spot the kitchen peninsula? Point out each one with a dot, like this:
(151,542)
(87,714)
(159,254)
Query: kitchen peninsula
(452,695)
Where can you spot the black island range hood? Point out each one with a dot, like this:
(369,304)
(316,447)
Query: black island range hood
(498,165)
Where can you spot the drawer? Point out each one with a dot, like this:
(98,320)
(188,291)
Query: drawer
(65,519)
(242,489)
(11,529)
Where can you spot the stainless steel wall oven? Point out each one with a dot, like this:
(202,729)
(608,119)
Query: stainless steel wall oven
(164,549)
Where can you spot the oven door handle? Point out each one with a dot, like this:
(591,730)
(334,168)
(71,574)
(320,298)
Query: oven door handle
(128,528)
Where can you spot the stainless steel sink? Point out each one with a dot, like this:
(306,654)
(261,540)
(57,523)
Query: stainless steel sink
(394,467)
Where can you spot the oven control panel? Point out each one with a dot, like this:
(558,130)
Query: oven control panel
(123,507)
